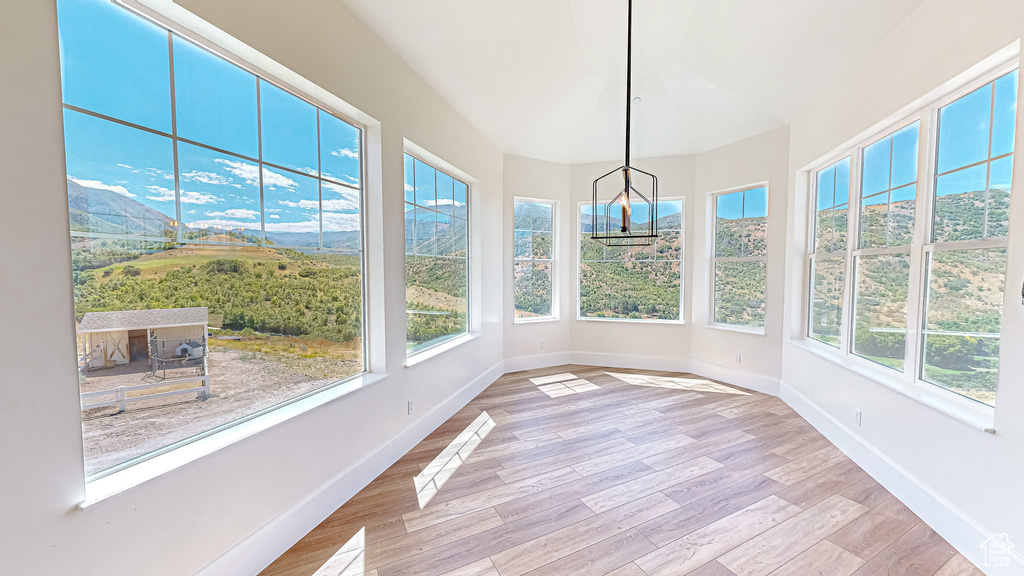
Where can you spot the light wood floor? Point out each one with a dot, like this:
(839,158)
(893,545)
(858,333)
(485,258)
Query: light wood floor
(591,471)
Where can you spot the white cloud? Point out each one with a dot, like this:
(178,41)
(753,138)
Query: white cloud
(205,177)
(349,198)
(445,202)
(346,153)
(220,223)
(198,198)
(409,187)
(162,194)
(307,226)
(339,205)
(275,216)
(101,186)
(271,210)
(333,222)
(243,213)
(304,204)
(251,174)
(152,172)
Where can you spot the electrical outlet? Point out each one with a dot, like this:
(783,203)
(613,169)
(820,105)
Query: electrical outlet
(410,407)
(739,358)
(540,345)
(858,417)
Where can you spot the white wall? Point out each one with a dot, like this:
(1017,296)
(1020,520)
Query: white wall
(184,520)
(964,482)
(762,158)
(528,178)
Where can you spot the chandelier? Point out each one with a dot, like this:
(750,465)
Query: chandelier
(625,207)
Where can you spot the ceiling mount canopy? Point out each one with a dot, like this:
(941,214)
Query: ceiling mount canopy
(625,207)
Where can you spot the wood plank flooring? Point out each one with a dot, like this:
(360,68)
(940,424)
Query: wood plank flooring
(600,471)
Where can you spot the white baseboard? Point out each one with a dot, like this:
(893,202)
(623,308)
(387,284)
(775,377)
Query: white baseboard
(537,361)
(630,361)
(744,379)
(262,547)
(952,523)
(736,377)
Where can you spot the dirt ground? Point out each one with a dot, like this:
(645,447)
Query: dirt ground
(241,383)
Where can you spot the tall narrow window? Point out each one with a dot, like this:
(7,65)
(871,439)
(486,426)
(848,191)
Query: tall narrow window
(534,259)
(967,252)
(828,260)
(436,249)
(740,257)
(634,282)
(216,240)
(887,202)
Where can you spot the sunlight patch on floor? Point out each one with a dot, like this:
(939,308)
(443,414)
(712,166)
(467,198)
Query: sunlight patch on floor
(432,478)
(690,384)
(350,560)
(563,385)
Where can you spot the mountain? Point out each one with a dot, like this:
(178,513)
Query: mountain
(670,222)
(96,210)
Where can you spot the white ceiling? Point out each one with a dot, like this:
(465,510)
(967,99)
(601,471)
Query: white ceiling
(546,78)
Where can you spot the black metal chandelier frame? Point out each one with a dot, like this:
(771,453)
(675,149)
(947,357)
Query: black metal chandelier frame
(627,234)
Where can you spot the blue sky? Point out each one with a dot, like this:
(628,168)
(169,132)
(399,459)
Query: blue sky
(743,204)
(427,186)
(117,64)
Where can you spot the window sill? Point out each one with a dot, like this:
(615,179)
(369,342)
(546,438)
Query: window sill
(540,320)
(754,331)
(632,320)
(105,487)
(974,414)
(439,349)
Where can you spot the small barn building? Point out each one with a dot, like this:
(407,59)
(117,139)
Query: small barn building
(116,338)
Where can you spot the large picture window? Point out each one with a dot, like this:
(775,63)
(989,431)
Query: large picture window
(740,257)
(533,266)
(216,236)
(944,330)
(436,256)
(635,282)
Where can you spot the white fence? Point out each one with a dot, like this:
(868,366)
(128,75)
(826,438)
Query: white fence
(121,398)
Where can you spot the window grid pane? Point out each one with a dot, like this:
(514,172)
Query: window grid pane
(532,270)
(436,262)
(880,309)
(960,341)
(740,264)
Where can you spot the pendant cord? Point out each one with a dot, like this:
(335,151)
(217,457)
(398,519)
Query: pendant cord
(629,77)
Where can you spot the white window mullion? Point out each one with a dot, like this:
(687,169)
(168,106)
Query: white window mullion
(852,240)
(923,218)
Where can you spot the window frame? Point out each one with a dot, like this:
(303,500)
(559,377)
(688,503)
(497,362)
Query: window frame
(713,259)
(909,381)
(204,42)
(682,266)
(457,175)
(554,316)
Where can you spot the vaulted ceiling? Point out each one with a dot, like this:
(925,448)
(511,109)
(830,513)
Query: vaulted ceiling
(546,78)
